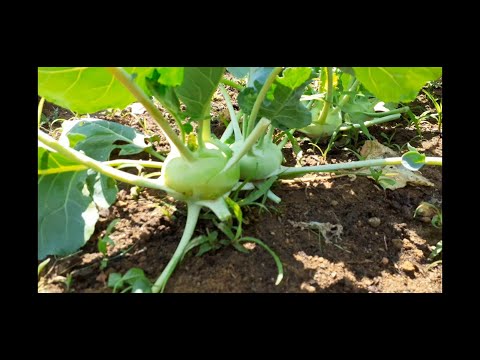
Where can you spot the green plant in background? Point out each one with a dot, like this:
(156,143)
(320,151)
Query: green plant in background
(104,241)
(438,108)
(134,280)
(430,211)
(42,266)
(77,176)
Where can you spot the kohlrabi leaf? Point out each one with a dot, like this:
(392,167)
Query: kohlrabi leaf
(413,160)
(357,106)
(66,213)
(98,138)
(50,162)
(239,72)
(259,74)
(348,70)
(170,76)
(396,84)
(87,89)
(197,89)
(165,94)
(68,200)
(103,189)
(282,104)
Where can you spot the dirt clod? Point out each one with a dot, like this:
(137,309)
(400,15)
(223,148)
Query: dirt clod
(407,266)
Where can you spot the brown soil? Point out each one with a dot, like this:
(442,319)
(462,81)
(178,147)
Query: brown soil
(368,257)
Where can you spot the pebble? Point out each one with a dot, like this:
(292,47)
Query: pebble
(334,203)
(333,275)
(407,266)
(307,287)
(397,243)
(374,222)
(384,261)
(425,219)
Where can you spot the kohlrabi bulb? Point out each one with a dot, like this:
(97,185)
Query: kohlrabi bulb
(260,162)
(315,130)
(201,179)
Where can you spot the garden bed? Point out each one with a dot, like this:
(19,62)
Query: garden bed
(382,248)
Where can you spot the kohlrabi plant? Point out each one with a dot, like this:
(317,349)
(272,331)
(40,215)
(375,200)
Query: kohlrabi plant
(77,177)
(357,98)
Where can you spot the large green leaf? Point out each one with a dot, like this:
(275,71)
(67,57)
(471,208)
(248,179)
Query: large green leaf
(259,74)
(164,91)
(98,138)
(87,89)
(239,72)
(103,189)
(52,162)
(197,89)
(69,196)
(66,213)
(396,84)
(170,76)
(282,104)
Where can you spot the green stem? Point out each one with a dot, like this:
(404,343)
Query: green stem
(284,141)
(40,109)
(206,129)
(371,122)
(98,166)
(270,132)
(271,252)
(112,163)
(260,98)
(133,163)
(192,218)
(386,113)
(227,133)
(233,116)
(328,99)
(201,143)
(152,152)
(172,112)
(232,84)
(292,171)
(245,124)
(126,79)
(248,143)
(346,97)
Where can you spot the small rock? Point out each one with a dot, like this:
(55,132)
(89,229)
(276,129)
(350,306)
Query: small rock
(307,287)
(397,243)
(374,222)
(407,266)
(102,278)
(425,219)
(334,203)
(426,210)
(104,212)
(384,261)
(333,275)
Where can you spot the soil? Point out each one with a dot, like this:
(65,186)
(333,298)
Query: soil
(382,248)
